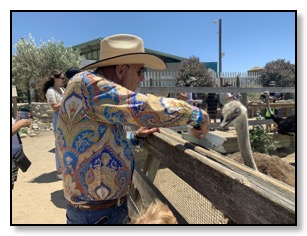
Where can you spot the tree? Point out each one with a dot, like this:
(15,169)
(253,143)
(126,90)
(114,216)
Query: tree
(280,71)
(32,64)
(192,67)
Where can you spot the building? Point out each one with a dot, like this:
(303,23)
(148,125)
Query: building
(255,71)
(91,50)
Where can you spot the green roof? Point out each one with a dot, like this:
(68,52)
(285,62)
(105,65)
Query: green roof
(165,55)
(92,42)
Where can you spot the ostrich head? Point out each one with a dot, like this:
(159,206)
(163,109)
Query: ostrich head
(234,113)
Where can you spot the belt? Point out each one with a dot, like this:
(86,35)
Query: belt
(99,205)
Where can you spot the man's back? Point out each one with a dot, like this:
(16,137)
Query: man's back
(96,150)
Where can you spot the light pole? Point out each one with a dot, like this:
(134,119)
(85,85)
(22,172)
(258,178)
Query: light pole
(220,46)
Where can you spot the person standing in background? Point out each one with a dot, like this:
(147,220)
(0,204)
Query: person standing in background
(188,97)
(16,143)
(275,96)
(53,90)
(212,102)
(70,73)
(225,98)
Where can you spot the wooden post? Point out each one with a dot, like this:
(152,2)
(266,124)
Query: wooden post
(14,106)
(221,81)
(244,95)
(238,82)
(244,99)
(14,98)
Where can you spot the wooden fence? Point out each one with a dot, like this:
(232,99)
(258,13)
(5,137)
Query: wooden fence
(169,79)
(240,193)
(160,79)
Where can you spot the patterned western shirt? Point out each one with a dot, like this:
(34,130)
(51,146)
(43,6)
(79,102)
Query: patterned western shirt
(96,151)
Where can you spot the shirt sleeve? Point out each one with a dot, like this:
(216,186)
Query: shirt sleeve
(50,96)
(115,104)
(189,97)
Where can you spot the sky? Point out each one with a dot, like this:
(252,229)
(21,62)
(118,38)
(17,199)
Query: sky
(249,39)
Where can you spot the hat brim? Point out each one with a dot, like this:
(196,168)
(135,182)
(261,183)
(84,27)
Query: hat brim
(149,60)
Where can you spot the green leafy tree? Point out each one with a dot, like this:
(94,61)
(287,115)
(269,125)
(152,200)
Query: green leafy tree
(280,71)
(192,67)
(31,64)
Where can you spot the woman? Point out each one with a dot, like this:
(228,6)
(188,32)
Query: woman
(53,90)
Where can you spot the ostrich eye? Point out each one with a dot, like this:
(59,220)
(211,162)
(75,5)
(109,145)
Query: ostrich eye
(237,110)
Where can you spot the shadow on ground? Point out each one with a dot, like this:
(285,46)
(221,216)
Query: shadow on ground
(45,178)
(58,199)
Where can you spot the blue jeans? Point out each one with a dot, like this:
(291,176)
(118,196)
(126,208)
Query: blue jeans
(54,125)
(113,215)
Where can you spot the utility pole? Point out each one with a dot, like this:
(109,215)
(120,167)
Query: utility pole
(220,51)
(220,47)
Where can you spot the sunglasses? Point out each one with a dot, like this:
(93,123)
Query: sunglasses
(61,77)
(140,72)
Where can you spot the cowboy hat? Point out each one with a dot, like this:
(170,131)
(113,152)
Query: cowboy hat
(272,83)
(125,49)
(191,79)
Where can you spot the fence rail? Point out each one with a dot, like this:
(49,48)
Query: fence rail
(171,89)
(242,194)
(169,78)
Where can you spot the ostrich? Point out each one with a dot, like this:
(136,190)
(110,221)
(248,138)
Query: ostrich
(235,113)
(285,126)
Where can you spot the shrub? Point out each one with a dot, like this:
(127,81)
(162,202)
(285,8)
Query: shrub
(261,140)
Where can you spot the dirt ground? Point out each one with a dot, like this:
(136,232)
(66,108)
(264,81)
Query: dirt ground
(37,197)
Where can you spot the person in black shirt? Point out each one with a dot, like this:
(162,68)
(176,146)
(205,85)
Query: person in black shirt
(212,102)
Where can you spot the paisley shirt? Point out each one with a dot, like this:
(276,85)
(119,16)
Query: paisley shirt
(96,153)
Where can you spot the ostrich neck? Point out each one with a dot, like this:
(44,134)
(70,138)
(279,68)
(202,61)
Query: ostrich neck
(267,100)
(244,142)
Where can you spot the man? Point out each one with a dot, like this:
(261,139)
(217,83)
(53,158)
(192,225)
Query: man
(192,81)
(95,149)
(276,96)
(225,98)
(189,97)
(212,102)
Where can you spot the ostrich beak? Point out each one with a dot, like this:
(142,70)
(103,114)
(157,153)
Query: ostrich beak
(225,123)
(228,120)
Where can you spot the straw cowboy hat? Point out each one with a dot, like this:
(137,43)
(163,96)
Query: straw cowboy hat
(272,83)
(125,49)
(191,79)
